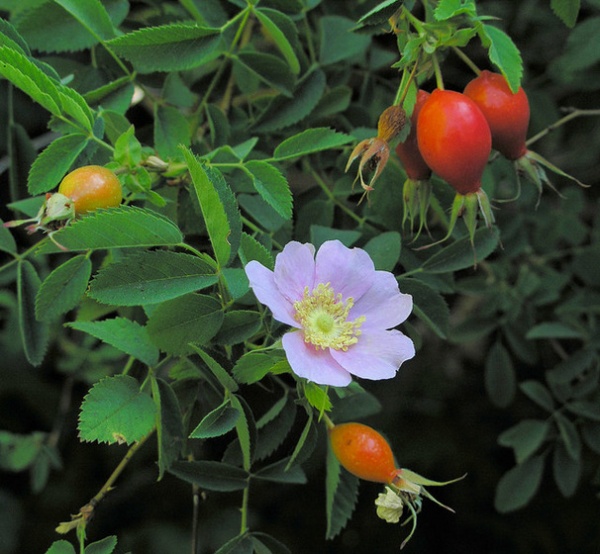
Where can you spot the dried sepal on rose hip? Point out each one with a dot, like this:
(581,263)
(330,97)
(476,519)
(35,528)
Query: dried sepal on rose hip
(83,190)
(366,454)
(374,152)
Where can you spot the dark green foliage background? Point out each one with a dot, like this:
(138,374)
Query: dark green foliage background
(437,413)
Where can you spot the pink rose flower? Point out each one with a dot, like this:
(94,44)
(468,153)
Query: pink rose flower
(341,309)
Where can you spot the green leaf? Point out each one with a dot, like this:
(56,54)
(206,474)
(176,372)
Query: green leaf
(525,437)
(128,149)
(384,250)
(212,476)
(309,142)
(504,54)
(552,330)
(75,105)
(284,112)
(253,366)
(566,10)
(569,435)
(500,376)
(217,370)
(169,425)
(115,410)
(28,77)
(9,36)
(461,254)
(519,485)
(151,277)
(270,545)
(123,227)
(566,471)
(319,234)
(61,547)
(380,13)
(62,290)
(193,318)
(242,544)
(573,367)
(268,68)
(213,211)
(538,393)
(266,18)
(274,426)
(125,335)
(428,305)
(105,546)
(216,423)
(54,162)
(172,47)
(245,429)
(338,42)
(272,186)
(279,472)
(7,241)
(341,489)
(171,131)
(447,9)
(92,15)
(48,27)
(317,397)
(34,334)
(238,326)
(251,249)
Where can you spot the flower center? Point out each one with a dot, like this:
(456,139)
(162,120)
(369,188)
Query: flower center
(323,316)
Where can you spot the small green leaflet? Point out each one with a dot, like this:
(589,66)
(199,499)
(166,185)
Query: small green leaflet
(566,10)
(169,47)
(27,76)
(54,162)
(309,142)
(34,334)
(7,241)
(341,495)
(504,54)
(151,277)
(272,186)
(125,335)
(265,16)
(123,227)
(62,290)
(284,112)
(92,15)
(212,208)
(519,485)
(189,319)
(217,422)
(116,411)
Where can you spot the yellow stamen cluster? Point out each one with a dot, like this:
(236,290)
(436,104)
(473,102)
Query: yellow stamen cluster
(323,316)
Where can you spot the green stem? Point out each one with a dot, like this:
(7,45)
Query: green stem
(244,510)
(439,80)
(574,113)
(468,61)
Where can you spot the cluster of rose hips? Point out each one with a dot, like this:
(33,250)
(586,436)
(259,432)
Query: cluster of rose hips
(452,134)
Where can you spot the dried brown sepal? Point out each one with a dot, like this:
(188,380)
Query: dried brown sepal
(391,122)
(374,154)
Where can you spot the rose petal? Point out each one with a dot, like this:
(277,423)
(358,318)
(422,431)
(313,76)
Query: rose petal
(295,270)
(262,281)
(348,270)
(376,355)
(383,305)
(312,364)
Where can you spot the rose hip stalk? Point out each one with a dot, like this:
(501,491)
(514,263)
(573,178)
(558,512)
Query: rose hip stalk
(417,187)
(365,453)
(455,141)
(507,114)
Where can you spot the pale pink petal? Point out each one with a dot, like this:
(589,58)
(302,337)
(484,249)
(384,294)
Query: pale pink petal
(312,364)
(348,270)
(263,285)
(383,305)
(376,355)
(295,270)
